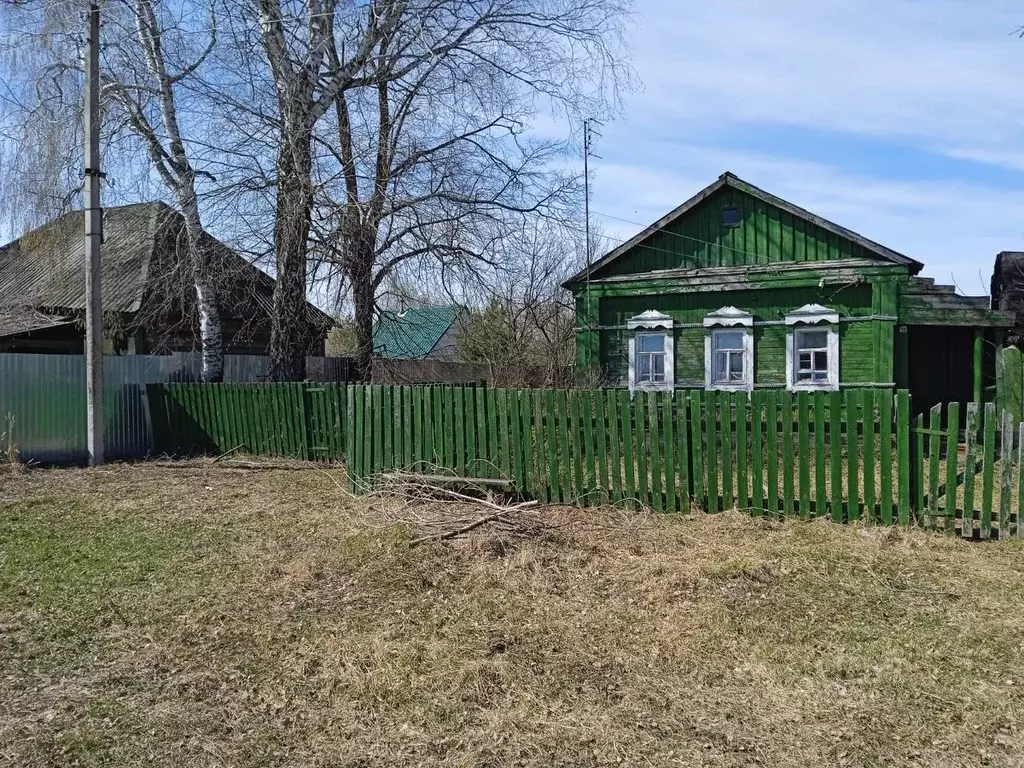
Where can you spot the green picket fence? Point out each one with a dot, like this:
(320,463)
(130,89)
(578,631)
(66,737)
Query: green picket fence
(848,456)
(305,421)
(854,455)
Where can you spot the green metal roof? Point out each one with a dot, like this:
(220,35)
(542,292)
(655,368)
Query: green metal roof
(412,333)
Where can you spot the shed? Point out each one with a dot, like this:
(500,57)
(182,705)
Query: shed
(737,289)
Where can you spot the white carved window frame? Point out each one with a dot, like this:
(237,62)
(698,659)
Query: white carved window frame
(729,320)
(812,317)
(652,323)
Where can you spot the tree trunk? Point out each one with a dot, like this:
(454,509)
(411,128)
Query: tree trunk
(210,329)
(289,328)
(362,297)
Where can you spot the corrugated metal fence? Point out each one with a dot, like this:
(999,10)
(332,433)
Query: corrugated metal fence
(42,399)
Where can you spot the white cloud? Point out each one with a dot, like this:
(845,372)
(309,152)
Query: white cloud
(945,72)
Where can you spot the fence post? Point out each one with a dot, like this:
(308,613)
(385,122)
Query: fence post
(904,466)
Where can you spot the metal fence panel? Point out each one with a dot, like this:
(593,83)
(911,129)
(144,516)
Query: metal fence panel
(42,399)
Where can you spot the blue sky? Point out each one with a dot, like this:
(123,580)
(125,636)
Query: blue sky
(900,119)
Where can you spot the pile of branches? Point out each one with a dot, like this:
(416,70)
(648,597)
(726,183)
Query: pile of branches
(443,509)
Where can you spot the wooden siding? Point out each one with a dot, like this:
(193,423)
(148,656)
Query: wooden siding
(766,235)
(859,351)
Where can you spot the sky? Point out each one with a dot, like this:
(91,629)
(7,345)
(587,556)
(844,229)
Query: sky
(902,120)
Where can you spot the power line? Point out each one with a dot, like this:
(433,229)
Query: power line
(677,234)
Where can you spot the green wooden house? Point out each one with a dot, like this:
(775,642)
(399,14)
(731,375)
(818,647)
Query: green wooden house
(737,289)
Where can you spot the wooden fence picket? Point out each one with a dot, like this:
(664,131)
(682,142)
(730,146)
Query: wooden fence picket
(682,451)
(868,440)
(697,451)
(788,462)
(711,458)
(1020,482)
(988,470)
(669,457)
(757,501)
(725,435)
(1006,474)
(970,463)
(772,436)
(804,454)
(934,460)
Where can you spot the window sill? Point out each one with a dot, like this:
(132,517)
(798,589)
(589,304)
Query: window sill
(824,387)
(661,386)
(743,387)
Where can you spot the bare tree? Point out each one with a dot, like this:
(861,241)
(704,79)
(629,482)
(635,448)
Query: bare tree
(140,81)
(435,163)
(147,62)
(309,75)
(524,329)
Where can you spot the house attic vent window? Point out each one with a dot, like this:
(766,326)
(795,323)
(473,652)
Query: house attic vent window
(731,217)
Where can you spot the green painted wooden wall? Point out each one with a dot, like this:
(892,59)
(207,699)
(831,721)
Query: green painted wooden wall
(766,235)
(861,358)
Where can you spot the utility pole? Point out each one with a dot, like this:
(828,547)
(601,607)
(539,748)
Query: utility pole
(93,238)
(588,132)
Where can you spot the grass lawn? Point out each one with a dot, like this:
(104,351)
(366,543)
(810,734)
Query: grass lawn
(198,615)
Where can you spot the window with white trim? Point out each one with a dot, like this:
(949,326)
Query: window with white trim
(650,358)
(729,350)
(812,348)
(811,357)
(651,352)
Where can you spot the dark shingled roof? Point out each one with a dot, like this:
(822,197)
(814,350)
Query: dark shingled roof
(45,268)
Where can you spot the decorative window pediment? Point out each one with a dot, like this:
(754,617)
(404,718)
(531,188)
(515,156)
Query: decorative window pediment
(650,319)
(811,314)
(728,316)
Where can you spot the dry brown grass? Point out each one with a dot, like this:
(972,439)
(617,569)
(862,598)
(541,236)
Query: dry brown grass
(199,615)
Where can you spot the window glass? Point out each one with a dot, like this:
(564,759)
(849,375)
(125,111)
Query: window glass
(813,339)
(728,340)
(651,343)
(728,358)
(812,364)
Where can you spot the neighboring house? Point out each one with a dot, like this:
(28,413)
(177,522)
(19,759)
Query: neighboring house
(421,333)
(1008,289)
(148,297)
(737,289)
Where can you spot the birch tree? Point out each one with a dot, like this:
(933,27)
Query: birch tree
(146,63)
(142,84)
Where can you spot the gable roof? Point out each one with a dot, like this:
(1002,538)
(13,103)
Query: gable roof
(729,179)
(45,268)
(412,333)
